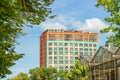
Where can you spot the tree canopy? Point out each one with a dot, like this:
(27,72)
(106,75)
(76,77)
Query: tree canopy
(62,74)
(112,7)
(43,73)
(79,72)
(21,76)
(14,16)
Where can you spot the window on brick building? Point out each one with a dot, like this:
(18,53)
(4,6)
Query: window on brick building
(52,37)
(50,49)
(94,45)
(50,53)
(85,45)
(55,53)
(68,37)
(55,44)
(85,38)
(78,38)
(50,44)
(92,38)
(60,37)
(80,45)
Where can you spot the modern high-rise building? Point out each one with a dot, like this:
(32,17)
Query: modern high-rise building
(60,48)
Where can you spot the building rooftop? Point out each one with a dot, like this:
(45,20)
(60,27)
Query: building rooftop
(69,30)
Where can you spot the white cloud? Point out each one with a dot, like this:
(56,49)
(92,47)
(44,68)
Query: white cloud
(60,22)
(93,25)
(52,25)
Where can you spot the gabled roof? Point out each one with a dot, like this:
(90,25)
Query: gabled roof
(104,54)
(85,59)
(112,49)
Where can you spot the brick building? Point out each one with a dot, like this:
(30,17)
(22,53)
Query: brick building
(60,48)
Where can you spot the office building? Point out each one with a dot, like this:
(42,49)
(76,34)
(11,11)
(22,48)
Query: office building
(61,48)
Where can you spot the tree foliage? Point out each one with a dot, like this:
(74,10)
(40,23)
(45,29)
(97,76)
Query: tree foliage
(62,74)
(112,7)
(43,73)
(21,76)
(79,72)
(14,15)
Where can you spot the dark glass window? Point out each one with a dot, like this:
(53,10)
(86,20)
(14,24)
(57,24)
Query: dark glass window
(80,45)
(50,53)
(76,44)
(71,67)
(61,62)
(55,57)
(76,57)
(55,53)
(76,49)
(71,49)
(94,45)
(66,49)
(61,49)
(50,48)
(60,37)
(50,44)
(78,38)
(52,37)
(92,39)
(66,44)
(55,44)
(90,49)
(85,45)
(90,45)
(55,48)
(60,57)
(86,38)
(68,37)
(80,49)
(50,57)
(86,49)
(76,53)
(81,53)
(66,67)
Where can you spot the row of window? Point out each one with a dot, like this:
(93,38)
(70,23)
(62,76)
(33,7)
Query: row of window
(69,37)
(71,53)
(62,67)
(71,49)
(62,62)
(60,57)
(72,44)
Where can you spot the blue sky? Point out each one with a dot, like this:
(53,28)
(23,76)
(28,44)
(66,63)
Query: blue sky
(71,14)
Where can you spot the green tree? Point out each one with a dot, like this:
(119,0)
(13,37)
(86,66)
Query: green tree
(14,16)
(43,73)
(62,74)
(112,7)
(36,74)
(21,76)
(79,72)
